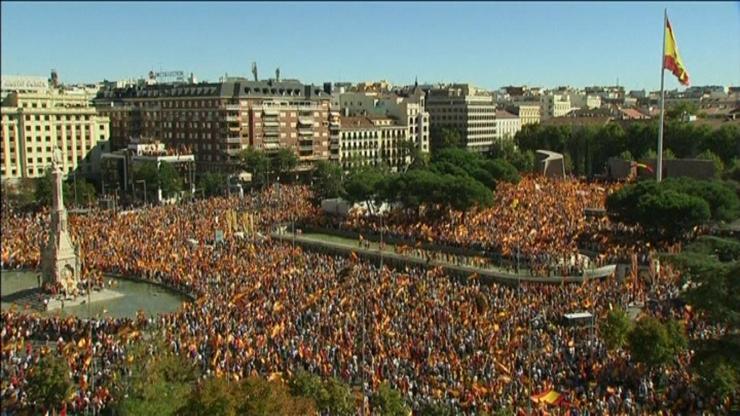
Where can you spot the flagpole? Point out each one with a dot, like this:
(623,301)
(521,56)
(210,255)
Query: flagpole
(659,167)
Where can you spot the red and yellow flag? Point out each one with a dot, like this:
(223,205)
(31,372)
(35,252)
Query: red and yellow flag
(672,59)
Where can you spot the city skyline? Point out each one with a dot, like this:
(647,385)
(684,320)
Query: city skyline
(542,44)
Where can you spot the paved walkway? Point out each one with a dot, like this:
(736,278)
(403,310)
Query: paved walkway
(491,273)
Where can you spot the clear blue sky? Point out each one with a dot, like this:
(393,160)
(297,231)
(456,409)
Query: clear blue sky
(488,44)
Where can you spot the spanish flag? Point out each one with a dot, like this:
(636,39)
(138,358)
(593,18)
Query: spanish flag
(671,58)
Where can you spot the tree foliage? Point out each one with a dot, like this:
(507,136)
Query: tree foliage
(616,329)
(49,383)
(387,401)
(165,178)
(674,206)
(157,383)
(212,183)
(327,180)
(284,161)
(257,163)
(590,147)
(712,266)
(43,191)
(655,344)
(331,396)
(445,137)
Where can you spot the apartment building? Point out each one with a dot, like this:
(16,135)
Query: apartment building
(507,125)
(36,121)
(217,121)
(407,108)
(466,108)
(554,105)
(372,141)
(527,111)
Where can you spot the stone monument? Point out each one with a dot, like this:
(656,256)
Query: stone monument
(60,260)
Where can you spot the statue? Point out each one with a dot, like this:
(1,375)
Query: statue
(60,261)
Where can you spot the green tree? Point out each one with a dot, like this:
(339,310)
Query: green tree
(361,185)
(655,344)
(616,328)
(257,163)
(44,189)
(711,266)
(327,180)
(724,142)
(331,396)
(662,209)
(341,401)
(267,398)
(442,138)
(212,183)
(165,178)
(388,402)
(679,110)
(436,409)
(158,381)
(285,160)
(49,383)
(719,166)
(215,396)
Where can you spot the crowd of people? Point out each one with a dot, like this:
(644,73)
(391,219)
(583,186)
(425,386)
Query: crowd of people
(532,226)
(263,306)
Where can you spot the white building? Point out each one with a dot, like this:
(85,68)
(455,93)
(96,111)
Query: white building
(507,125)
(372,141)
(554,105)
(37,121)
(469,110)
(407,111)
(582,100)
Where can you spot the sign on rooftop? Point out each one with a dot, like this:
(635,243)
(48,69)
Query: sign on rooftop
(23,82)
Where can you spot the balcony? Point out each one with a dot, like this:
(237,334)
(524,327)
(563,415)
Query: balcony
(305,121)
(305,132)
(271,133)
(233,140)
(271,123)
(232,118)
(232,107)
(271,146)
(269,112)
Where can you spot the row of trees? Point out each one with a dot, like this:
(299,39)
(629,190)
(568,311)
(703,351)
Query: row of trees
(651,342)
(32,193)
(587,148)
(672,207)
(454,178)
(157,381)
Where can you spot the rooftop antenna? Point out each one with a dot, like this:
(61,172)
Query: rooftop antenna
(254,70)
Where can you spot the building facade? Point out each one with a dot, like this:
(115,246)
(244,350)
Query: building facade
(528,112)
(217,121)
(372,141)
(507,125)
(35,123)
(406,110)
(467,109)
(554,105)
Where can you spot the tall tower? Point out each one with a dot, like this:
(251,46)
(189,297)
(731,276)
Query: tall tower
(60,259)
